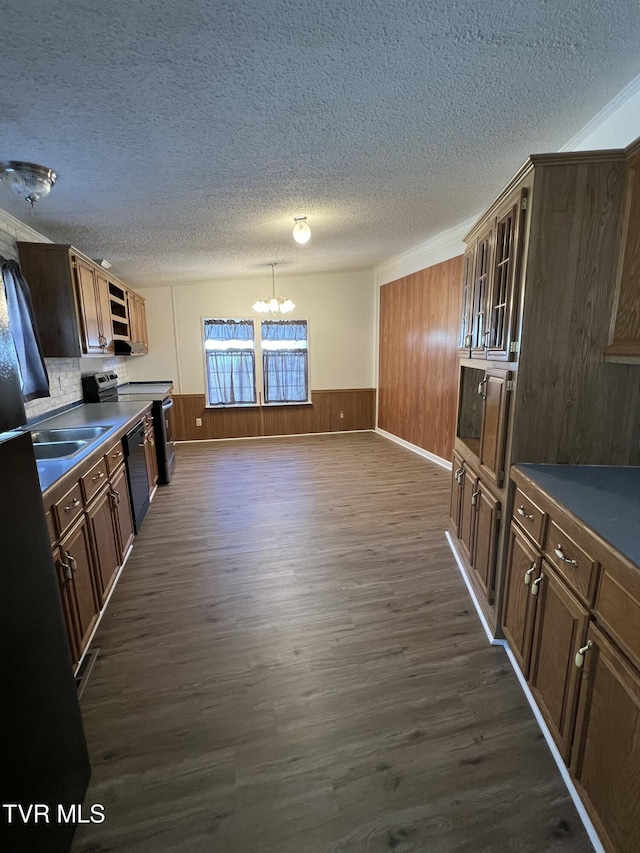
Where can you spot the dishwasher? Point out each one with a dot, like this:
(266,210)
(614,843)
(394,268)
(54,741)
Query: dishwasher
(136,463)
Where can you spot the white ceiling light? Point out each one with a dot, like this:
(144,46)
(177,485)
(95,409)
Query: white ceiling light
(273,304)
(301,231)
(28,180)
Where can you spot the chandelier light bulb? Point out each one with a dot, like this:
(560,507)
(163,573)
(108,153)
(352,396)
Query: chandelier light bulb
(301,231)
(273,304)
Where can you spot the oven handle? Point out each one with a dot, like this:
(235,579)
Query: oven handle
(167,404)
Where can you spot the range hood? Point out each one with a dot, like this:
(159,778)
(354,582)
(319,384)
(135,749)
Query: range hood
(129,348)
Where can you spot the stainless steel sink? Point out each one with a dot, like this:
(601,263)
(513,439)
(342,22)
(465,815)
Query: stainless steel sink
(58,449)
(66,434)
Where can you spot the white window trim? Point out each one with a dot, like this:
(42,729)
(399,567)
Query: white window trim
(257,349)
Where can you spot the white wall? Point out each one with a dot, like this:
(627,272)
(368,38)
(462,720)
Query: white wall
(338,306)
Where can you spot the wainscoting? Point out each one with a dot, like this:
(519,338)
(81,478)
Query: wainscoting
(357,406)
(419,321)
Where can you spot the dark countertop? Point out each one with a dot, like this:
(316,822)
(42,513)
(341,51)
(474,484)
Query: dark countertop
(606,498)
(117,416)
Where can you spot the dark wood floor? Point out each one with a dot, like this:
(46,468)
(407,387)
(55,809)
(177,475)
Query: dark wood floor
(291,663)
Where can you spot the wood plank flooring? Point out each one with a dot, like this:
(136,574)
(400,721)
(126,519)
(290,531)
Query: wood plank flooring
(291,664)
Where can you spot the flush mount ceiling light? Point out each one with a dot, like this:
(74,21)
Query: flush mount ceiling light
(28,180)
(301,231)
(273,304)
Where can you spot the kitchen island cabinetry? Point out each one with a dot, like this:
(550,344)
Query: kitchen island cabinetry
(534,386)
(79,309)
(572,621)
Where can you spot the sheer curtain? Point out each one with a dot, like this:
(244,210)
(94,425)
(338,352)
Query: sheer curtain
(285,371)
(230,372)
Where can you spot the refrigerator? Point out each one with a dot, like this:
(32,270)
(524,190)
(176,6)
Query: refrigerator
(44,764)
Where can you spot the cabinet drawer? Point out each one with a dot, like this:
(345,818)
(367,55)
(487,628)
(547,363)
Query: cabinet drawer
(94,479)
(114,457)
(529,517)
(618,608)
(51,527)
(68,508)
(572,562)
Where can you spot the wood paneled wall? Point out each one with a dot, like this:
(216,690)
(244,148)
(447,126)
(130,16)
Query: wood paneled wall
(357,405)
(418,368)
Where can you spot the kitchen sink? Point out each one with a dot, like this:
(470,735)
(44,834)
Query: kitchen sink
(58,449)
(68,434)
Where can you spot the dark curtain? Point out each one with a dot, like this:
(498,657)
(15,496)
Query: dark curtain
(33,372)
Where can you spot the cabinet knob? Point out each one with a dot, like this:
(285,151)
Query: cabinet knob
(74,503)
(581,653)
(528,573)
(561,556)
(523,513)
(534,585)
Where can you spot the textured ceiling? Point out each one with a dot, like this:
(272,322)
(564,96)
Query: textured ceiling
(187,136)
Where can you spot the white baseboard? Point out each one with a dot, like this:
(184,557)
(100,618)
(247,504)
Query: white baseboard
(562,767)
(444,463)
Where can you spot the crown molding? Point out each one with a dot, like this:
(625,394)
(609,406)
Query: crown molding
(444,246)
(22,231)
(602,117)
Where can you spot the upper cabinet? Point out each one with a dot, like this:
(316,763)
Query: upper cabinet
(624,333)
(80,310)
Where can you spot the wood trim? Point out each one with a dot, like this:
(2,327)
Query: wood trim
(323,415)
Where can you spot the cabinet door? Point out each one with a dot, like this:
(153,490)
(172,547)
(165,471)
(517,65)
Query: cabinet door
(467,513)
(75,552)
(502,298)
(65,580)
(104,316)
(467,300)
(124,516)
(560,630)
(494,424)
(485,535)
(456,493)
(523,567)
(606,751)
(152,459)
(480,295)
(90,320)
(102,522)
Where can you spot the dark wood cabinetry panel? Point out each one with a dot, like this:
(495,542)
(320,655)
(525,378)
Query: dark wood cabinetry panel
(494,424)
(487,513)
(456,493)
(523,568)
(104,534)
(65,581)
(606,752)
(468,483)
(122,507)
(76,555)
(468,277)
(480,295)
(560,630)
(90,319)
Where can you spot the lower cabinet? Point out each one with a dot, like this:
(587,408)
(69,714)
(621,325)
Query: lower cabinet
(475,515)
(76,561)
(570,615)
(91,539)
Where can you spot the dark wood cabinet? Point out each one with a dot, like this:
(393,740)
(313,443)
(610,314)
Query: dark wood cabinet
(122,508)
(487,514)
(456,493)
(65,581)
(76,561)
(150,452)
(480,293)
(559,632)
(495,394)
(606,752)
(78,310)
(468,277)
(103,522)
(524,566)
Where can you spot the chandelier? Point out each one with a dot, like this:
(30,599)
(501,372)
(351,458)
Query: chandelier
(273,304)
(28,180)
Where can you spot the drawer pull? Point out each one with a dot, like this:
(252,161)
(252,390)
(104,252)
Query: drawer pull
(474,497)
(74,503)
(523,513)
(116,455)
(98,476)
(560,555)
(115,497)
(581,653)
(68,572)
(534,585)
(528,573)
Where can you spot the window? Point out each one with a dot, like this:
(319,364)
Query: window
(244,355)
